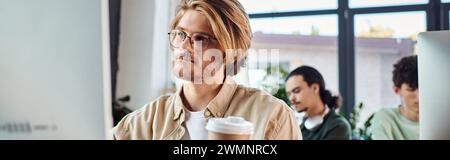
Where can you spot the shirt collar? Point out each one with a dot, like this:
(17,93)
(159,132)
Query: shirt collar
(311,123)
(218,104)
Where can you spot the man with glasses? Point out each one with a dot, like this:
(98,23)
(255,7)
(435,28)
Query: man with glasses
(209,40)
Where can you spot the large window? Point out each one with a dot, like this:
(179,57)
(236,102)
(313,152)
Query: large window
(304,40)
(381,40)
(361,66)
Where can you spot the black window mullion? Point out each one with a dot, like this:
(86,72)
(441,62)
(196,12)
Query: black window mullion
(390,9)
(346,56)
(292,14)
(434,15)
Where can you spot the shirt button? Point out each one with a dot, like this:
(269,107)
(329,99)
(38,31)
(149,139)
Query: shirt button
(219,114)
(207,114)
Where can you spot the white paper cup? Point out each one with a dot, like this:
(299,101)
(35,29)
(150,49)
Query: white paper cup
(230,128)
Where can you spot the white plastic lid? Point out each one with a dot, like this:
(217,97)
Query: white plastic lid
(230,125)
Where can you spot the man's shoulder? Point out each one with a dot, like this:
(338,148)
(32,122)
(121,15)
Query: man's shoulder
(275,118)
(386,117)
(384,113)
(337,120)
(159,105)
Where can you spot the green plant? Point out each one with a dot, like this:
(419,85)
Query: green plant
(273,82)
(363,132)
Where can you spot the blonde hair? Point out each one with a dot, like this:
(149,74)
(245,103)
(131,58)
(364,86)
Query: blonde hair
(229,23)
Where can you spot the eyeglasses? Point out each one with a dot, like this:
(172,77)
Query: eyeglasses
(177,38)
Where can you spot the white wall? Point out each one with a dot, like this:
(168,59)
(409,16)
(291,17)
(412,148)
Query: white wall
(143,51)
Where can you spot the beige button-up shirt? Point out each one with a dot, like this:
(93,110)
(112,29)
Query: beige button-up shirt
(163,119)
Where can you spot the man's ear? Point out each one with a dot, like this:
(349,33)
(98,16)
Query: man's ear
(315,88)
(396,90)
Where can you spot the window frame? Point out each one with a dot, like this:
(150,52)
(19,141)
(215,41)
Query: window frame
(437,18)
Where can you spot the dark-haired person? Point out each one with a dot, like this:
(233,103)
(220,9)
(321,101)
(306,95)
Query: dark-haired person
(402,122)
(305,87)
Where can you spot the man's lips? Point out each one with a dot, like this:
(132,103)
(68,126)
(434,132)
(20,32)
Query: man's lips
(184,57)
(296,104)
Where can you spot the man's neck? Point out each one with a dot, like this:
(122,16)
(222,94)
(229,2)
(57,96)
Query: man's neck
(409,114)
(197,96)
(320,109)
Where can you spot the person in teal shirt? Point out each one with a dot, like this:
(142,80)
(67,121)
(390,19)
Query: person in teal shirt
(400,123)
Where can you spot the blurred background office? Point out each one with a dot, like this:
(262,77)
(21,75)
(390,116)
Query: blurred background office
(353,43)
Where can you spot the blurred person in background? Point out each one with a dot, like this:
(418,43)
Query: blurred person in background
(402,122)
(306,90)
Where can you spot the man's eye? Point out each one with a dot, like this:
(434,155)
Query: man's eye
(411,89)
(180,34)
(200,38)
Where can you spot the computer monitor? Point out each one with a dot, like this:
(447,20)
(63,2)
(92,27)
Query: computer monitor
(54,70)
(434,84)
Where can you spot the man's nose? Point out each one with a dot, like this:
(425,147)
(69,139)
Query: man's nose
(186,44)
(292,98)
